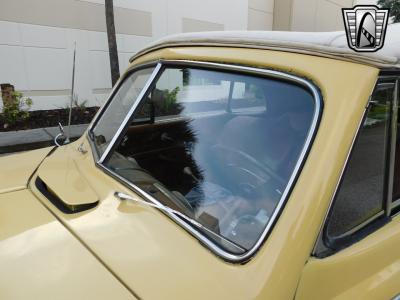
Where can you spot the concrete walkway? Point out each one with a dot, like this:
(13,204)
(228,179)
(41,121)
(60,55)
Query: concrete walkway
(22,140)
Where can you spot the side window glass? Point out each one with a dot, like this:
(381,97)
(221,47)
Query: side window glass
(362,193)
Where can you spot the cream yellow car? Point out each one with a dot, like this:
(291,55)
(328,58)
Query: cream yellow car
(225,165)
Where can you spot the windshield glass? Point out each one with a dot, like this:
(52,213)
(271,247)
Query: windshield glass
(219,147)
(113,115)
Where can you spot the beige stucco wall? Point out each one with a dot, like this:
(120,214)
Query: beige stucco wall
(76,15)
(312,15)
(260,14)
(193,25)
(37,39)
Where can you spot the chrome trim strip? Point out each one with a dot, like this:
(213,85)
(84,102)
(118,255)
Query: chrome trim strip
(213,247)
(102,109)
(393,138)
(396,202)
(310,136)
(130,112)
(114,89)
(170,211)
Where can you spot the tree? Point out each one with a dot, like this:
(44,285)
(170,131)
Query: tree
(394,7)
(112,41)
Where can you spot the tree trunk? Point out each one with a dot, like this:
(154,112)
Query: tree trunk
(112,41)
(7,91)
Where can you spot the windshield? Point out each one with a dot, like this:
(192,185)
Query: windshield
(218,147)
(113,115)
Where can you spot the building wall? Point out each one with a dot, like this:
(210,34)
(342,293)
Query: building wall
(282,15)
(37,39)
(260,14)
(318,15)
(312,15)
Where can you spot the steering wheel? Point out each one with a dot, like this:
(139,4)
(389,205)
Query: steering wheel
(241,165)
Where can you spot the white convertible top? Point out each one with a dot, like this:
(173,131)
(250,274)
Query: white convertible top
(326,44)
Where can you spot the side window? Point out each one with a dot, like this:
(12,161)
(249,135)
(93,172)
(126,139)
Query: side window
(363,191)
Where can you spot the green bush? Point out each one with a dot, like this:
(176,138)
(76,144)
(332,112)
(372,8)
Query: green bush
(17,108)
(170,98)
(393,6)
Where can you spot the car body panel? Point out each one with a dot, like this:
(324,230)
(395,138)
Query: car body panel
(369,269)
(63,178)
(41,259)
(17,168)
(158,259)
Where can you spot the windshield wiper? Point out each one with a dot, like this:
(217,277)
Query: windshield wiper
(123,196)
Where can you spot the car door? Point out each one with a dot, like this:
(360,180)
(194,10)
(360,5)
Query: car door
(357,255)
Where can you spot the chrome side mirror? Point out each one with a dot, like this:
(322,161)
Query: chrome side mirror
(61,136)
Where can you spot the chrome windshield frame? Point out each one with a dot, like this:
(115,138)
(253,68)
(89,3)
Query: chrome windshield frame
(103,108)
(267,73)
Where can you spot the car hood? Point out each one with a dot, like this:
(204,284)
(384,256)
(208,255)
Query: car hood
(145,249)
(41,259)
(16,169)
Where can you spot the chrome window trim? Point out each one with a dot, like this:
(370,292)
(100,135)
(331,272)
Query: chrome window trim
(393,138)
(143,92)
(396,297)
(395,204)
(318,105)
(117,85)
(130,112)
